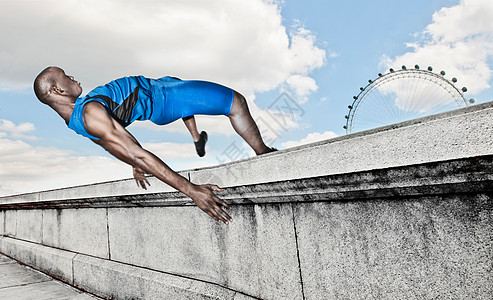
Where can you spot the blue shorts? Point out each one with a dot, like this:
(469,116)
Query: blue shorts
(174,98)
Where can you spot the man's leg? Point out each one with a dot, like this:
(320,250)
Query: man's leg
(192,127)
(198,139)
(245,126)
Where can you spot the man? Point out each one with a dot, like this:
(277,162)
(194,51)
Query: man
(104,113)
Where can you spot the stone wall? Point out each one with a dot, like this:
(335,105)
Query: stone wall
(399,212)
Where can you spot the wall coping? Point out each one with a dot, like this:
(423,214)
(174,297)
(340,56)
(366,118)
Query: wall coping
(127,187)
(457,176)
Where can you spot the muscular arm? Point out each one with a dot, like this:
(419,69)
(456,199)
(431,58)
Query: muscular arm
(120,143)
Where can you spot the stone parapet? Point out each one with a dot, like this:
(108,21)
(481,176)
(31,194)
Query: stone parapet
(399,212)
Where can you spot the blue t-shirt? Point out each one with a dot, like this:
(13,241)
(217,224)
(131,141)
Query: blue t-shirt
(127,99)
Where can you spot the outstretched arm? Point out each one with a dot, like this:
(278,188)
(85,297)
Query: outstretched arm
(119,142)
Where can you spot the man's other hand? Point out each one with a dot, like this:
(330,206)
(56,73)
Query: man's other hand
(140,178)
(206,200)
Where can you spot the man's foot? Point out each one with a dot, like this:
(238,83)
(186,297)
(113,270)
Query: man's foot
(269,150)
(200,144)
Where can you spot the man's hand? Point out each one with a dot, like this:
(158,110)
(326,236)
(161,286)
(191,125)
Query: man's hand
(206,200)
(140,178)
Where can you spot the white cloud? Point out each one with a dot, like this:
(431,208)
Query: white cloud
(25,168)
(310,138)
(302,85)
(8,128)
(241,44)
(459,41)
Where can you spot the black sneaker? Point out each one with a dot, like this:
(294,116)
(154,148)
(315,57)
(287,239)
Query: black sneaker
(269,150)
(200,144)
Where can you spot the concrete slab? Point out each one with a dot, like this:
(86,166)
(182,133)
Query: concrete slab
(86,227)
(29,225)
(6,260)
(434,247)
(249,255)
(120,187)
(55,262)
(29,197)
(113,280)
(21,282)
(10,223)
(2,222)
(15,275)
(48,290)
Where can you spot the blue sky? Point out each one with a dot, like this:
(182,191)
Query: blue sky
(314,54)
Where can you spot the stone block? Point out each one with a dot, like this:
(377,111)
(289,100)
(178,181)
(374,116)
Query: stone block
(113,280)
(255,254)
(411,249)
(29,225)
(55,262)
(2,222)
(22,198)
(82,230)
(112,188)
(10,222)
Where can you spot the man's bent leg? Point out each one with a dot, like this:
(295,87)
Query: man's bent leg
(245,126)
(192,127)
(198,139)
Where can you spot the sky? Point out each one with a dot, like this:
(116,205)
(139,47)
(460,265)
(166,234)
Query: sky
(298,63)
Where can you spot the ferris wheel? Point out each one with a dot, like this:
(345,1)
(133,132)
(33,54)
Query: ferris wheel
(402,95)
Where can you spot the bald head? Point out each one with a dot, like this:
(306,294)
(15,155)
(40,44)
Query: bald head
(52,86)
(44,82)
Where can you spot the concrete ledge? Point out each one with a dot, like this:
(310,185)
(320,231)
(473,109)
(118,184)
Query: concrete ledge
(444,177)
(452,135)
(110,188)
(460,133)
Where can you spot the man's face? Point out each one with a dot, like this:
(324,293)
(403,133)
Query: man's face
(67,83)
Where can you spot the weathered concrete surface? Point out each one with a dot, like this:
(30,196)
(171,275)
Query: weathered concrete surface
(453,176)
(466,132)
(255,254)
(426,248)
(111,188)
(119,281)
(86,227)
(2,222)
(400,210)
(12,274)
(56,262)
(462,133)
(380,234)
(10,222)
(23,283)
(29,225)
